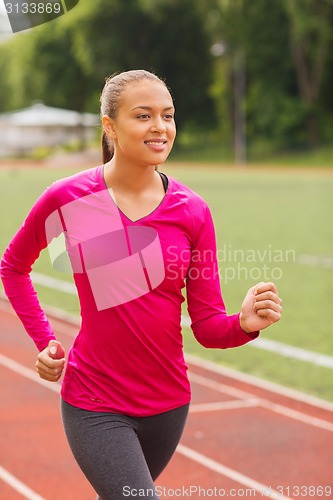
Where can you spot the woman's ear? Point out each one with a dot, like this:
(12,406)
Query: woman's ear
(108,126)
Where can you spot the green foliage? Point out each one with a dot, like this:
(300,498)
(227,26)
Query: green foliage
(17,59)
(286,44)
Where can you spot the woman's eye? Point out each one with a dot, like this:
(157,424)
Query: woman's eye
(143,117)
(168,117)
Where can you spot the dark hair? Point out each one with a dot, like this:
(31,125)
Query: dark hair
(110,98)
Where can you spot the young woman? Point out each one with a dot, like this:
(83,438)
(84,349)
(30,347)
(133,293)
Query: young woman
(135,238)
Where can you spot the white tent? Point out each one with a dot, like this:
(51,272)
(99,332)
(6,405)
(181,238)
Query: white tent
(39,125)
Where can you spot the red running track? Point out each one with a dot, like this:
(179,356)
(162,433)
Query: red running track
(244,438)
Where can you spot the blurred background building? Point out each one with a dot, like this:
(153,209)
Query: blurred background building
(24,130)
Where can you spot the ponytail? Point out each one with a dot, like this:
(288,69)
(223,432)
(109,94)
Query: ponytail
(107,148)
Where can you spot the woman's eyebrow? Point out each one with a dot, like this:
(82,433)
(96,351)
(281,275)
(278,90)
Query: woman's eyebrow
(148,108)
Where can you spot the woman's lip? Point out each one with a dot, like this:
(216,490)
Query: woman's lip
(156,142)
(156,145)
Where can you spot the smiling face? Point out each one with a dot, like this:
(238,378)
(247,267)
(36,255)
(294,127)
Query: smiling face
(143,130)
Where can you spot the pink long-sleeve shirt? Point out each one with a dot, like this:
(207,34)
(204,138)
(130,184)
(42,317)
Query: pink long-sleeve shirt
(128,354)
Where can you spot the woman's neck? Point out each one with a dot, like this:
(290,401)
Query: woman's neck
(130,178)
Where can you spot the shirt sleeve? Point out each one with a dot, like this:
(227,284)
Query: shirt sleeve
(15,268)
(211,325)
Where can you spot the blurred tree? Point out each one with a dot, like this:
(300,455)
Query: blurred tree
(165,36)
(325,102)
(110,37)
(16,85)
(5,89)
(179,51)
(58,76)
(40,65)
(275,114)
(310,33)
(285,45)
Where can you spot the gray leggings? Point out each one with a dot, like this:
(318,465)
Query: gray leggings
(120,455)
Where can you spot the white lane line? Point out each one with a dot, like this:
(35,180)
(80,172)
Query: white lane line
(223,405)
(297,415)
(258,382)
(217,386)
(280,348)
(285,350)
(274,407)
(290,351)
(230,473)
(17,485)
(317,260)
(27,373)
(49,282)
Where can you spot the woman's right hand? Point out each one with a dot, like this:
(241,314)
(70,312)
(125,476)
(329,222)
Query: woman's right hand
(51,361)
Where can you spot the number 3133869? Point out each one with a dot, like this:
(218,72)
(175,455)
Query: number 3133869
(305,491)
(33,8)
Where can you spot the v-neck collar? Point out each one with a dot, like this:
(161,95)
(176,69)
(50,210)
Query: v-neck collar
(152,214)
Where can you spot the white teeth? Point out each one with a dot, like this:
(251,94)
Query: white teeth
(155,143)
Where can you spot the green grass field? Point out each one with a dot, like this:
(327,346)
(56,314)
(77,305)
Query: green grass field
(271,224)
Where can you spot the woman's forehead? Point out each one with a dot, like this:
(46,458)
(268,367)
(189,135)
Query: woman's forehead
(146,93)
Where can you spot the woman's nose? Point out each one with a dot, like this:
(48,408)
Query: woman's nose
(159,125)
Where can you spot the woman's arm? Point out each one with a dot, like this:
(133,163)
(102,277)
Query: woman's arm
(211,325)
(15,267)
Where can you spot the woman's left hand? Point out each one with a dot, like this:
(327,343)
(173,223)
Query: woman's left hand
(261,307)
